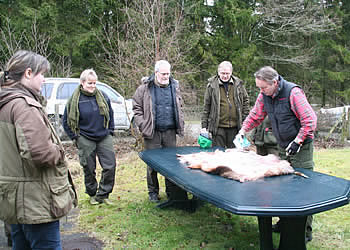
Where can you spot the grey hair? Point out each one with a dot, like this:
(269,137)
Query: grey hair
(267,74)
(20,62)
(161,63)
(225,64)
(86,73)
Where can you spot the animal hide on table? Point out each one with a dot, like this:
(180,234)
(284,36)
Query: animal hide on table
(238,165)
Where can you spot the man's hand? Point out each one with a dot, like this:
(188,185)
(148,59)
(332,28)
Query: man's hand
(240,135)
(293,148)
(241,141)
(204,132)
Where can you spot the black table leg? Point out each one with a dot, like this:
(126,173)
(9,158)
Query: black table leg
(265,233)
(178,199)
(292,233)
(188,205)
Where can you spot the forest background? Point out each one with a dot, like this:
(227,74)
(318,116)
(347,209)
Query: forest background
(306,41)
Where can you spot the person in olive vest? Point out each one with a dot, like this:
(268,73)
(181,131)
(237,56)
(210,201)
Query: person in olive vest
(226,104)
(36,185)
(292,118)
(263,138)
(157,106)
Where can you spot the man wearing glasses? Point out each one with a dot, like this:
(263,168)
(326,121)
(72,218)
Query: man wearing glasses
(226,105)
(157,106)
(293,123)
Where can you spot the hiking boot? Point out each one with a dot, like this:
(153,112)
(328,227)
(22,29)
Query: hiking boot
(107,202)
(308,238)
(153,197)
(93,201)
(308,234)
(276,227)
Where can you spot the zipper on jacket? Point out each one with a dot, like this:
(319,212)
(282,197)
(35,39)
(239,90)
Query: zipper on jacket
(229,105)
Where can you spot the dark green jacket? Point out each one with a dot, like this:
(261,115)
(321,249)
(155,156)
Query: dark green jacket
(211,112)
(35,183)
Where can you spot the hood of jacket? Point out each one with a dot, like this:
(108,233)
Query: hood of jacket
(10,93)
(152,79)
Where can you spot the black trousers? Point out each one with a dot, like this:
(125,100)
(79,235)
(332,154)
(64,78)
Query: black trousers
(163,139)
(224,137)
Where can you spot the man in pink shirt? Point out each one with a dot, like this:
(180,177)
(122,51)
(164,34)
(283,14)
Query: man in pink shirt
(292,118)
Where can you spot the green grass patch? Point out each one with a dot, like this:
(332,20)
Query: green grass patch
(135,223)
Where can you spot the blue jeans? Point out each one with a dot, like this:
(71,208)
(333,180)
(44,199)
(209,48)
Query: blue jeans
(36,236)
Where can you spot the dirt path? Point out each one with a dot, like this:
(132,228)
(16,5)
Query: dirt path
(71,237)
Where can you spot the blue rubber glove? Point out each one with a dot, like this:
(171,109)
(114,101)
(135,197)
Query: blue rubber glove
(240,141)
(240,136)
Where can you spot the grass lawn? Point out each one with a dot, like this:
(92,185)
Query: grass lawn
(134,223)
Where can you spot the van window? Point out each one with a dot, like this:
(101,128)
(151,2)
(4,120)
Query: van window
(111,93)
(66,89)
(46,90)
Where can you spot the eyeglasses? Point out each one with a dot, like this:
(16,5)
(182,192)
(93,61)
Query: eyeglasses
(164,74)
(224,73)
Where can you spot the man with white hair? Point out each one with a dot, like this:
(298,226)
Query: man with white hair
(226,104)
(157,106)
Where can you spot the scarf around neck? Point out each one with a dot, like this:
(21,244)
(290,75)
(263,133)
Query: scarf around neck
(73,108)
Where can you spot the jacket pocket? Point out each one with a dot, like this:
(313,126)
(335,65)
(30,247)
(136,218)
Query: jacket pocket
(8,209)
(62,197)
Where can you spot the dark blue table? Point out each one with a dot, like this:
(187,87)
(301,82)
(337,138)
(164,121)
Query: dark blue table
(290,197)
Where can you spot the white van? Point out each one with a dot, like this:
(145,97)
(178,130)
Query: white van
(58,90)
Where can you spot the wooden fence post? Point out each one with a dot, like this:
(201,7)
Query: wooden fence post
(345,125)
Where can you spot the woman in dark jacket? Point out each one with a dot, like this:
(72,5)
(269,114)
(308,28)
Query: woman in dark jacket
(88,120)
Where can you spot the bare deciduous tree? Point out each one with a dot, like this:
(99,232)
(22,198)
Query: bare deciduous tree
(34,40)
(10,41)
(62,67)
(153,30)
(38,41)
(286,27)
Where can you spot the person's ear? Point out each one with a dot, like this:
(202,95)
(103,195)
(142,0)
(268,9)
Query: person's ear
(28,73)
